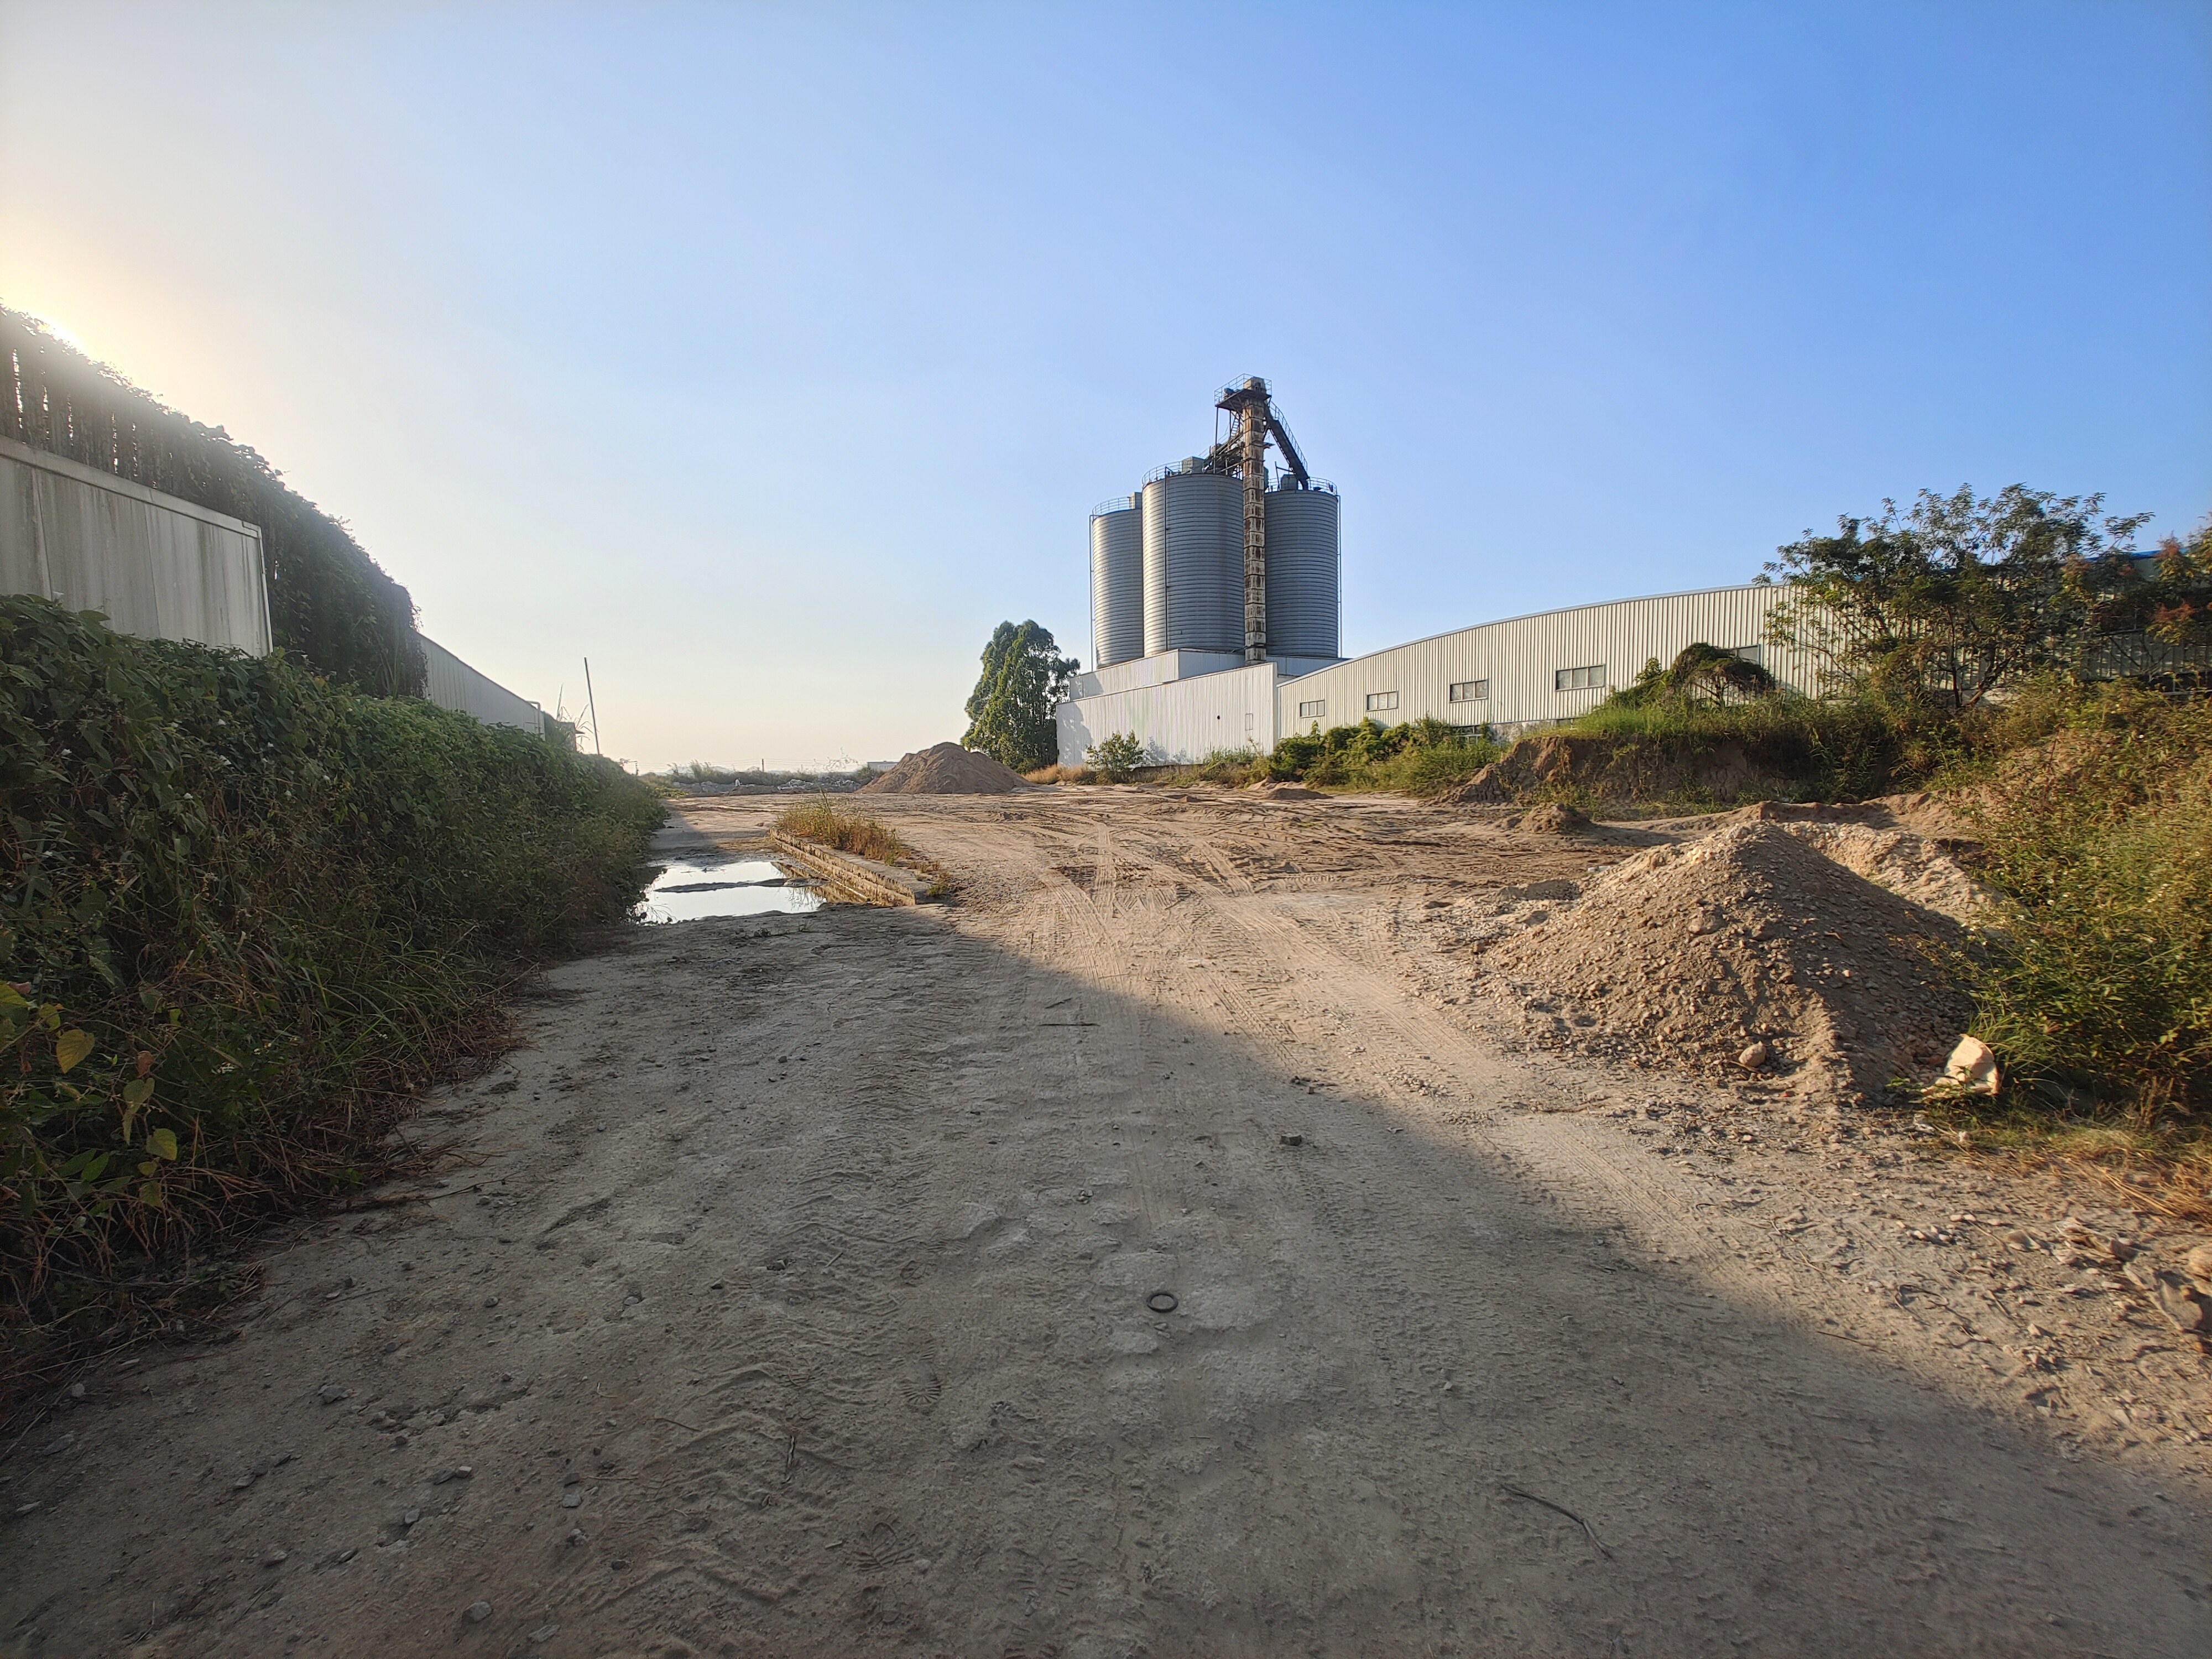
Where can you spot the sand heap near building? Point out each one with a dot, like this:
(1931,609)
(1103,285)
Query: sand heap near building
(1685,955)
(946,768)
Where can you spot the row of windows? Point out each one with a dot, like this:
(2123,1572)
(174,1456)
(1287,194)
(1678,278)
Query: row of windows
(1593,677)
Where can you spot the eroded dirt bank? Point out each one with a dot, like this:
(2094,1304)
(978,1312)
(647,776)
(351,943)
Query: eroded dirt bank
(786,1294)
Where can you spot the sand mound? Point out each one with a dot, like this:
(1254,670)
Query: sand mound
(1686,955)
(1285,792)
(946,768)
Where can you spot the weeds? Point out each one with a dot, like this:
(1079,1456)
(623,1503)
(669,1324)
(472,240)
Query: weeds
(2098,837)
(1419,757)
(247,916)
(848,830)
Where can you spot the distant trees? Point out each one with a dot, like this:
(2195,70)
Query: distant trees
(1010,710)
(1959,595)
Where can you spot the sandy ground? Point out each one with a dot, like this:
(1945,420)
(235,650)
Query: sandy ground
(787,1293)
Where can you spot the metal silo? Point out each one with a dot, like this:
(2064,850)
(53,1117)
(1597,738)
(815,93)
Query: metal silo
(1303,614)
(1117,581)
(1193,530)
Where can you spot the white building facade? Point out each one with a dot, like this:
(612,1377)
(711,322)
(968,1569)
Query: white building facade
(1512,676)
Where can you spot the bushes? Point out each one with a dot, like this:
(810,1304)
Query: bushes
(1423,757)
(244,913)
(2099,838)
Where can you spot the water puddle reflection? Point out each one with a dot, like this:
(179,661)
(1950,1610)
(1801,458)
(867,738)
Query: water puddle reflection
(691,890)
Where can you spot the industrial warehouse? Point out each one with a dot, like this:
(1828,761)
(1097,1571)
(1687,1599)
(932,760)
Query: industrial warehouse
(1216,619)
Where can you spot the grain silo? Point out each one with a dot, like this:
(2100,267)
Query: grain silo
(1117,581)
(1303,607)
(1194,540)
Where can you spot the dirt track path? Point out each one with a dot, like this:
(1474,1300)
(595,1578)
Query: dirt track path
(817,1252)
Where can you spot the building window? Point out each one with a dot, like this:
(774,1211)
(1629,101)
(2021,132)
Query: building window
(1314,710)
(1579,679)
(1470,691)
(1378,701)
(1750,654)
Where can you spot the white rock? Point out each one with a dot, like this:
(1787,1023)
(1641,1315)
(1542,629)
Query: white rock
(1971,1068)
(478,1611)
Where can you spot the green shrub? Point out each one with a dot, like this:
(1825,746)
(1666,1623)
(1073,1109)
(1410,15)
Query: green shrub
(2099,839)
(1424,757)
(1116,757)
(244,915)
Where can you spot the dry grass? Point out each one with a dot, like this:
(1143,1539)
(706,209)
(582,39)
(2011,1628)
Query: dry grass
(1056,774)
(845,830)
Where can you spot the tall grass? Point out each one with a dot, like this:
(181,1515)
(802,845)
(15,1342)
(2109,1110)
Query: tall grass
(1421,757)
(2098,837)
(246,915)
(844,828)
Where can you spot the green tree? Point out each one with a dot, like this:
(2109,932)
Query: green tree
(1116,757)
(1010,710)
(1957,596)
(1701,673)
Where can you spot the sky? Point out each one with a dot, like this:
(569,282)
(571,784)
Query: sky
(769,355)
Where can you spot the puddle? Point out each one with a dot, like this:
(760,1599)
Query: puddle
(691,890)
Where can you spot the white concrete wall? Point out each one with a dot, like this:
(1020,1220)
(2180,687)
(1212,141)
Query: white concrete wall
(156,567)
(1180,722)
(451,684)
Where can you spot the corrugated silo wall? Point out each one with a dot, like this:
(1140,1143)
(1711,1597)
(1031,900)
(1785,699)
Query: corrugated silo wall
(1117,587)
(1517,663)
(1302,606)
(156,567)
(1194,562)
(1180,721)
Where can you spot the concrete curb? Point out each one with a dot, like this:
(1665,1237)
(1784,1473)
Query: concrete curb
(853,879)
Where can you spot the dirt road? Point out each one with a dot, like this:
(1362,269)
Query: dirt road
(792,1290)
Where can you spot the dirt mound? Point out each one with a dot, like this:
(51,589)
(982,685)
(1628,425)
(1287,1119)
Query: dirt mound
(1285,792)
(946,768)
(1611,769)
(1686,955)
(1550,820)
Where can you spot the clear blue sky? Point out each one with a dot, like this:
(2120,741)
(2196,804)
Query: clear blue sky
(771,355)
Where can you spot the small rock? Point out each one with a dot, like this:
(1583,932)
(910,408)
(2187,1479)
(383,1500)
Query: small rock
(491,1301)
(274,1558)
(330,1393)
(570,1500)
(241,1483)
(22,1509)
(411,1517)
(1973,1069)
(477,1612)
(546,1633)
(571,1478)
(2200,1264)
(716,1286)
(444,1475)
(56,1448)
(406,1267)
(77,1391)
(575,1535)
(1291,1141)
(1754,1057)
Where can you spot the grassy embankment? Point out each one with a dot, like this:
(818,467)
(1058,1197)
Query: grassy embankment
(248,917)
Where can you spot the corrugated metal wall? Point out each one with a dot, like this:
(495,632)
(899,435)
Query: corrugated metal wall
(156,567)
(1520,660)
(451,684)
(1182,720)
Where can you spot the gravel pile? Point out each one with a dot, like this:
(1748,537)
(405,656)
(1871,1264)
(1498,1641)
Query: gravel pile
(946,769)
(1749,951)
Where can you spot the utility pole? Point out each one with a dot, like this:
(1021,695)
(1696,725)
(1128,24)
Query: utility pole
(591,703)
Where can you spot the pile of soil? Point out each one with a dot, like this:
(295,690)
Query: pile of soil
(946,768)
(1612,768)
(1284,792)
(1688,955)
